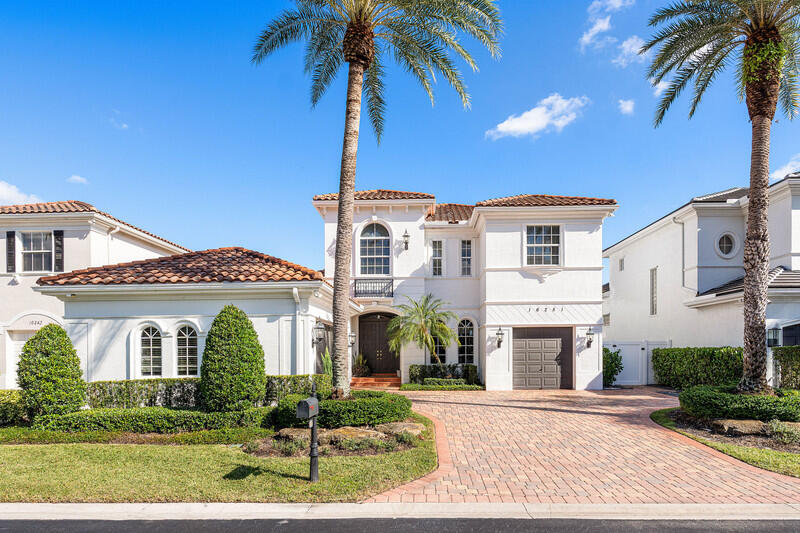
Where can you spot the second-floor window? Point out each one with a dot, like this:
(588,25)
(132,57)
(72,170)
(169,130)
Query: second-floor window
(543,245)
(466,258)
(37,251)
(437,258)
(375,249)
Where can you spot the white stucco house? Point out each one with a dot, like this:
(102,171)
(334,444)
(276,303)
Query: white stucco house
(46,238)
(678,281)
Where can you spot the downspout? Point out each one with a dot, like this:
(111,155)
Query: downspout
(297,334)
(108,244)
(683,251)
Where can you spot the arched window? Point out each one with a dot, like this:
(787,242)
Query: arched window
(466,339)
(151,351)
(187,351)
(375,249)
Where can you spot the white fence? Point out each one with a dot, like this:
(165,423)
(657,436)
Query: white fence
(637,360)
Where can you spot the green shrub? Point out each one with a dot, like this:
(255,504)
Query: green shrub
(783,433)
(788,359)
(444,381)
(11,408)
(327,363)
(418,373)
(417,386)
(232,374)
(278,387)
(288,447)
(176,393)
(612,366)
(153,420)
(49,374)
(26,435)
(705,401)
(681,368)
(367,408)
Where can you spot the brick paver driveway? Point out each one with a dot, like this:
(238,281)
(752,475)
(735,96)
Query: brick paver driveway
(577,447)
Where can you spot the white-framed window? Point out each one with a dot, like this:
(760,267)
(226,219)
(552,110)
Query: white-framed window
(543,245)
(621,264)
(150,352)
(466,339)
(375,250)
(37,251)
(466,258)
(726,245)
(440,351)
(437,258)
(653,291)
(187,351)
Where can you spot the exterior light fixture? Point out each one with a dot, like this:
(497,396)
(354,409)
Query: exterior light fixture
(319,334)
(406,238)
(352,338)
(589,337)
(773,337)
(500,334)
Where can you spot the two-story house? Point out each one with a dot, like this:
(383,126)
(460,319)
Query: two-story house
(678,281)
(522,274)
(46,238)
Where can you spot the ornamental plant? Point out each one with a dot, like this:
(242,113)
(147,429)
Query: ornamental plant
(49,374)
(232,374)
(612,366)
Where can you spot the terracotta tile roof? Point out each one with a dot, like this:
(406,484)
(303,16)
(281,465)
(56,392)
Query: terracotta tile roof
(379,194)
(208,266)
(72,206)
(543,200)
(778,278)
(452,213)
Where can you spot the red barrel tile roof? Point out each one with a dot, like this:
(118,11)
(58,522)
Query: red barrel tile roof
(379,194)
(544,200)
(452,213)
(208,266)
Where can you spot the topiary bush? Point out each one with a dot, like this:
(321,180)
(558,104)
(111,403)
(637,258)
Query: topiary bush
(612,366)
(278,387)
(232,373)
(681,368)
(176,393)
(418,373)
(366,408)
(49,374)
(705,401)
(11,408)
(788,360)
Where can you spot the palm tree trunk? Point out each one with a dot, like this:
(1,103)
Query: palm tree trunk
(756,261)
(344,231)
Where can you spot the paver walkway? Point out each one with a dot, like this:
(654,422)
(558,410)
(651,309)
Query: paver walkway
(576,447)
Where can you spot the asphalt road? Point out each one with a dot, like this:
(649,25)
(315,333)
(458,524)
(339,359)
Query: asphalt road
(394,525)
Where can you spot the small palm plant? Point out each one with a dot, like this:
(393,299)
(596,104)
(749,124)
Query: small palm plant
(697,40)
(422,322)
(420,36)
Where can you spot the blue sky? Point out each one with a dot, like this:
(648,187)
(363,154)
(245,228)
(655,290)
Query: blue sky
(154,113)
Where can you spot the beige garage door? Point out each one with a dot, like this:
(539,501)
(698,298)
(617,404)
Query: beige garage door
(536,364)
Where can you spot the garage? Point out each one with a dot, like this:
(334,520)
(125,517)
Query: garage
(542,358)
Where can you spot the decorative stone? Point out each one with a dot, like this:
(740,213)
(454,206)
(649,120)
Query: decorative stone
(298,434)
(737,428)
(349,433)
(395,428)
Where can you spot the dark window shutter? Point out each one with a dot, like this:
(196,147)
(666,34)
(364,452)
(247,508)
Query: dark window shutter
(11,253)
(58,248)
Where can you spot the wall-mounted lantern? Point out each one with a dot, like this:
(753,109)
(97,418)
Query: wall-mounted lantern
(319,334)
(500,334)
(406,238)
(589,337)
(773,337)
(352,339)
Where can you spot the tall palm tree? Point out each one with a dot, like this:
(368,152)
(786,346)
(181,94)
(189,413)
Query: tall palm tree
(420,36)
(422,323)
(697,41)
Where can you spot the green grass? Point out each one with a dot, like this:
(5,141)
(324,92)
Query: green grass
(26,435)
(774,461)
(200,473)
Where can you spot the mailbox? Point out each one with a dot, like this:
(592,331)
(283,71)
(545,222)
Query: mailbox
(308,408)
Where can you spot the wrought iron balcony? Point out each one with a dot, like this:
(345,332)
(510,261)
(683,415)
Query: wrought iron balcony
(373,288)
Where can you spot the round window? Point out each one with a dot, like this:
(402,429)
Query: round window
(726,244)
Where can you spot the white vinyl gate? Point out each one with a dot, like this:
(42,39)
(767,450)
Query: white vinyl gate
(637,360)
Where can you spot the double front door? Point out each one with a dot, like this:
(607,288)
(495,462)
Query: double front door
(374,343)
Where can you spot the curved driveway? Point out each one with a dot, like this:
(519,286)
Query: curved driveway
(576,447)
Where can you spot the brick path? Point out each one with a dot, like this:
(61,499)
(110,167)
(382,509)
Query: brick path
(576,447)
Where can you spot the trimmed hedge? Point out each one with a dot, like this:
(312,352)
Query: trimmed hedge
(708,402)
(153,420)
(788,359)
(417,386)
(278,387)
(49,374)
(612,366)
(681,368)
(367,408)
(179,393)
(418,373)
(443,381)
(11,408)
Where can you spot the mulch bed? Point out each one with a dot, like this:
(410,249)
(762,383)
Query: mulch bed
(702,428)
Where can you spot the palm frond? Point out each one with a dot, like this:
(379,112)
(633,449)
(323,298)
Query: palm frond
(374,90)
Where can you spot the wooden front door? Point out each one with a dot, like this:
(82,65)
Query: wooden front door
(374,344)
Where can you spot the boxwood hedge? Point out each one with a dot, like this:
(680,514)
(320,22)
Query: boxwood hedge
(11,409)
(417,386)
(681,368)
(709,402)
(366,408)
(278,387)
(788,359)
(418,373)
(443,381)
(176,393)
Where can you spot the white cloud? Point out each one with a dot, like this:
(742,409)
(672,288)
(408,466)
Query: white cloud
(792,166)
(659,88)
(629,51)
(609,6)
(552,113)
(10,194)
(600,25)
(626,107)
(116,120)
(77,179)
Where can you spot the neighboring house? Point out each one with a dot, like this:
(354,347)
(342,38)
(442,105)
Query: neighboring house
(678,281)
(46,238)
(522,274)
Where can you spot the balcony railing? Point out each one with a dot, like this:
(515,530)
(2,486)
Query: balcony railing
(373,288)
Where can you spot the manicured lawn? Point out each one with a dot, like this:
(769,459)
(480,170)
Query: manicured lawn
(775,461)
(199,473)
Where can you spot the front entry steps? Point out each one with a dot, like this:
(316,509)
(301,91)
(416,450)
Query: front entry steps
(376,382)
